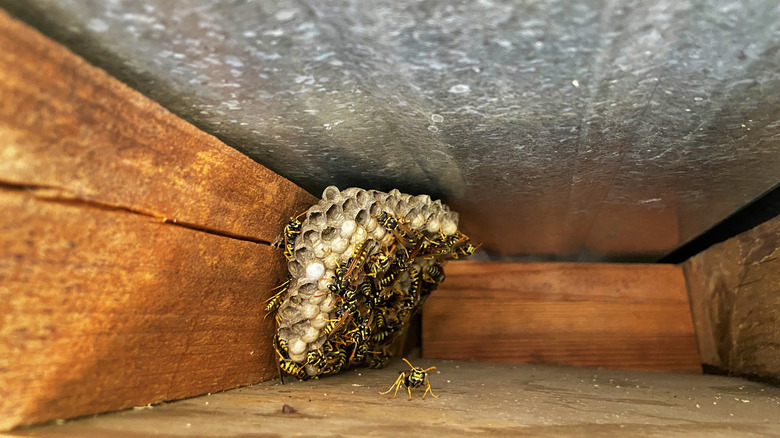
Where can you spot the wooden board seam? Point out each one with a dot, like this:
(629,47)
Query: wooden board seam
(60,196)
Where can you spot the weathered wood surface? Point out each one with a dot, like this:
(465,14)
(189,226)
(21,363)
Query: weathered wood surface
(735,299)
(133,248)
(69,127)
(105,310)
(605,315)
(475,399)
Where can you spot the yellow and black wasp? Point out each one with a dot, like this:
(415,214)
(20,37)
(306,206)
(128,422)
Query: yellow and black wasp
(290,234)
(292,368)
(276,299)
(381,335)
(381,263)
(281,347)
(334,325)
(345,277)
(464,250)
(414,284)
(433,274)
(359,354)
(359,257)
(379,359)
(318,358)
(336,361)
(362,333)
(391,275)
(285,364)
(415,378)
(399,229)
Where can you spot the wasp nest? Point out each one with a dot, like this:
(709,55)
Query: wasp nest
(361,263)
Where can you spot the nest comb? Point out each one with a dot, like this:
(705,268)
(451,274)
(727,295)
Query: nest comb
(361,263)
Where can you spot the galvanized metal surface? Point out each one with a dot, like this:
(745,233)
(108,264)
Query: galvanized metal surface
(589,130)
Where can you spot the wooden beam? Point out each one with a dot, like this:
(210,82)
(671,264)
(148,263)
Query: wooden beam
(599,315)
(134,254)
(735,300)
(70,127)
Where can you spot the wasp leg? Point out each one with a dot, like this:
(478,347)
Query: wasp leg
(395,385)
(279,368)
(428,389)
(409,390)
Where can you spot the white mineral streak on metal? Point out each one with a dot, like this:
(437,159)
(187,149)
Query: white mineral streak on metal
(342,221)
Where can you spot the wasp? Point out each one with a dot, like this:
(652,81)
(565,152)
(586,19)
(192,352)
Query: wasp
(381,336)
(276,300)
(464,250)
(430,248)
(317,359)
(459,245)
(379,360)
(290,235)
(344,279)
(285,364)
(359,354)
(378,300)
(414,378)
(426,289)
(359,257)
(433,274)
(335,360)
(362,333)
(391,275)
(387,220)
(340,360)
(338,283)
(359,338)
(406,305)
(335,324)
(380,264)
(331,352)
(348,308)
(408,237)
(400,231)
(293,369)
(281,347)
(366,290)
(414,286)
(379,320)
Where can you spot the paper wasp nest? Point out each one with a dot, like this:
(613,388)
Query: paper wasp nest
(361,263)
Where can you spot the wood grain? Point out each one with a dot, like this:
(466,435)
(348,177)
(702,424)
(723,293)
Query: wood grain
(736,305)
(106,310)
(133,247)
(71,128)
(603,315)
(475,400)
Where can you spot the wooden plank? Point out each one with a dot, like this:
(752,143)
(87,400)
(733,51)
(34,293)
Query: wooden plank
(105,310)
(736,305)
(134,254)
(71,128)
(602,315)
(475,400)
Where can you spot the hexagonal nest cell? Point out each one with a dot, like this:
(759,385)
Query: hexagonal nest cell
(361,263)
